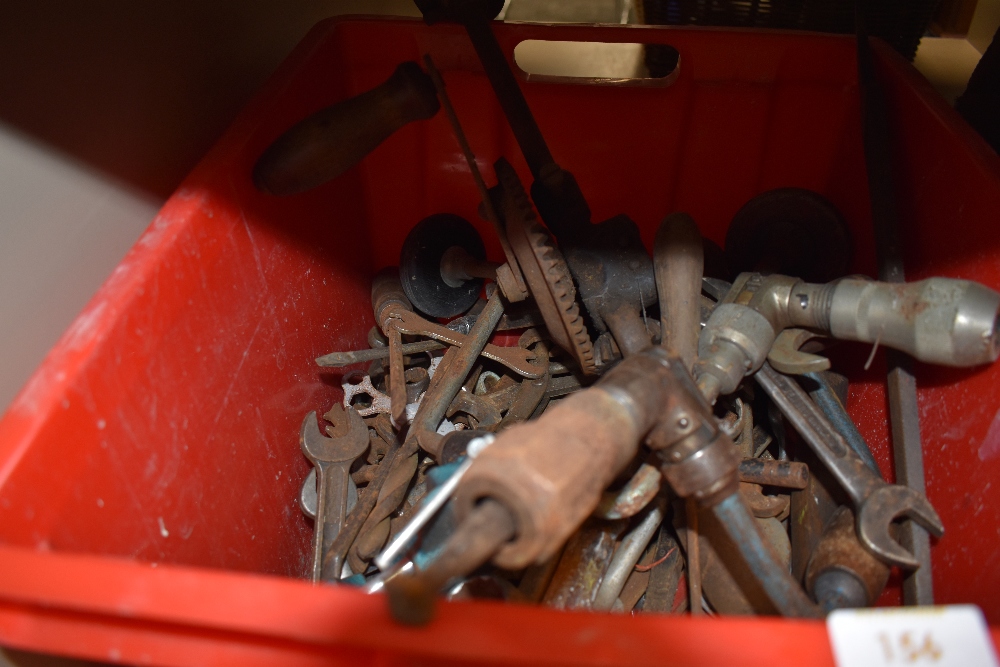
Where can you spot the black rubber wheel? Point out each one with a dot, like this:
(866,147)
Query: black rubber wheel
(791,231)
(420,265)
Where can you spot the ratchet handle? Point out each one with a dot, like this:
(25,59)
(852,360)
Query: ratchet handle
(332,140)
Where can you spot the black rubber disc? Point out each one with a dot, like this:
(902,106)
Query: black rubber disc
(791,231)
(420,265)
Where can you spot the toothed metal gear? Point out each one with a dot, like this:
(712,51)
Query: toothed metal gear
(545,270)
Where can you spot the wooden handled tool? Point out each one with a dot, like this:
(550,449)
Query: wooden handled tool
(332,140)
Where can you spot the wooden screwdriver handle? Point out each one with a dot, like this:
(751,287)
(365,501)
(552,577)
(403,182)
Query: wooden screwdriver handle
(332,140)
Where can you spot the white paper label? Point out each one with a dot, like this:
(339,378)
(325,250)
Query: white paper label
(952,636)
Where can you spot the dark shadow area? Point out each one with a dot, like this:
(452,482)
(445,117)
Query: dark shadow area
(142,90)
(14,658)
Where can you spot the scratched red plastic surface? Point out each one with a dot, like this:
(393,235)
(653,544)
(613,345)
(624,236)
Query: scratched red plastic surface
(149,470)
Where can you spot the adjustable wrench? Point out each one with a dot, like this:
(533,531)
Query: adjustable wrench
(877,503)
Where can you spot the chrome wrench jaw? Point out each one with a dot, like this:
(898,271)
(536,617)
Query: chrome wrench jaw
(881,508)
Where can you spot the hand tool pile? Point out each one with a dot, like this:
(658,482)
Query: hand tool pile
(658,439)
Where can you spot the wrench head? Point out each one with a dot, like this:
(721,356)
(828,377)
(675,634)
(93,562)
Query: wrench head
(786,357)
(346,446)
(881,508)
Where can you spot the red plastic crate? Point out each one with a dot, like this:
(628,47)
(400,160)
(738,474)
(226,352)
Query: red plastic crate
(150,468)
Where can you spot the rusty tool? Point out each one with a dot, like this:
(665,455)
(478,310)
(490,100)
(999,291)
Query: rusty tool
(629,500)
(608,261)
(332,458)
(519,317)
(308,495)
(395,316)
(544,270)
(785,355)
(516,359)
(332,140)
(768,472)
(550,473)
(555,191)
(841,572)
(665,576)
(581,568)
(388,299)
(878,503)
(446,384)
(508,277)
(431,504)
(645,484)
(339,359)
(679,263)
(411,596)
(531,392)
(811,510)
(486,409)
(335,557)
(693,543)
(761,506)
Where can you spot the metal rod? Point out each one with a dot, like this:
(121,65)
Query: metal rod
(694,558)
(904,416)
(768,472)
(411,596)
(515,107)
(339,359)
(831,406)
(783,591)
(448,380)
(901,386)
(397,381)
(628,554)
(470,158)
(679,263)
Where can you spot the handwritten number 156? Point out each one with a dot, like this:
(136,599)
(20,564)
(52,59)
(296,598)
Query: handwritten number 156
(907,651)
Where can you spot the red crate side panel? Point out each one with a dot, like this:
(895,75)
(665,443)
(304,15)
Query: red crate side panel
(177,442)
(276,612)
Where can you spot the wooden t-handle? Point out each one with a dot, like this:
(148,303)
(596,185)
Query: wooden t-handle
(332,140)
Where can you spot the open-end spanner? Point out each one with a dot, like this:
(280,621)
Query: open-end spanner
(786,357)
(877,503)
(308,495)
(332,458)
